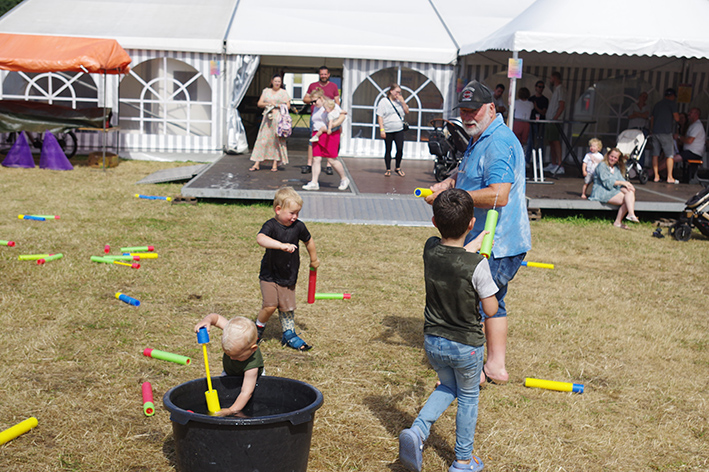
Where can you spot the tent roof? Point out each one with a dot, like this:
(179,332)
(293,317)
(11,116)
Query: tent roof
(405,30)
(630,27)
(32,53)
(402,30)
(177,25)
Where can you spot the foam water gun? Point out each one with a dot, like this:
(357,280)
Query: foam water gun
(31,217)
(51,257)
(142,255)
(311,285)
(105,260)
(153,197)
(7,243)
(46,217)
(148,405)
(138,249)
(490,225)
(18,430)
(32,257)
(541,265)
(553,385)
(126,299)
(333,296)
(211,394)
(423,192)
(166,356)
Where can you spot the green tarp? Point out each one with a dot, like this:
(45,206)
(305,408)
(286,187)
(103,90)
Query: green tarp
(36,117)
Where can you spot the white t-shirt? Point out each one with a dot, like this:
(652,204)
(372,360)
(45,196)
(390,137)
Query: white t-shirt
(335,114)
(482,280)
(696,131)
(556,97)
(319,118)
(523,109)
(392,122)
(592,159)
(637,123)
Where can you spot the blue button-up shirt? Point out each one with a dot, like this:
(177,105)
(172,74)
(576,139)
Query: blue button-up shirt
(497,157)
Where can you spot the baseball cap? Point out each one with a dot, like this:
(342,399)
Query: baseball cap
(474,95)
(670,92)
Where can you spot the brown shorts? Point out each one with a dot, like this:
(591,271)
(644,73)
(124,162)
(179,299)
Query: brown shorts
(278,296)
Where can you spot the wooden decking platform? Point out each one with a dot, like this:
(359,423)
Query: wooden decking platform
(375,199)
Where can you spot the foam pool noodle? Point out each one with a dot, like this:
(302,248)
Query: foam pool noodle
(540,265)
(553,385)
(19,429)
(211,395)
(490,225)
(127,257)
(32,257)
(7,243)
(47,217)
(166,356)
(148,405)
(312,280)
(30,217)
(142,255)
(126,299)
(423,192)
(138,249)
(51,257)
(153,197)
(333,296)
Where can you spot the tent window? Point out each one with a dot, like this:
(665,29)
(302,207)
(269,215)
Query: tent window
(421,94)
(69,89)
(166,97)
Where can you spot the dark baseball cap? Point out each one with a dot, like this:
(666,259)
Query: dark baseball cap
(670,92)
(474,95)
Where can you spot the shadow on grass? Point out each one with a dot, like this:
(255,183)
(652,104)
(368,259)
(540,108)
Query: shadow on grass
(402,331)
(394,420)
(168,450)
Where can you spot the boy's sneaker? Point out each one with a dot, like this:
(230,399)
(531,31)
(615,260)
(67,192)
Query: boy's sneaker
(311,186)
(411,449)
(476,465)
(260,330)
(328,170)
(306,169)
(550,167)
(560,170)
(344,183)
(314,139)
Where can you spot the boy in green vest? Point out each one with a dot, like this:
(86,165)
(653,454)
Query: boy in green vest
(458,282)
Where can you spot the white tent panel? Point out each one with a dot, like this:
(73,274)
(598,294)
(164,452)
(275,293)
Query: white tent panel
(627,27)
(178,25)
(403,30)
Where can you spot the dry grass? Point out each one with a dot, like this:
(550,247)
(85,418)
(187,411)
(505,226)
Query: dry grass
(623,313)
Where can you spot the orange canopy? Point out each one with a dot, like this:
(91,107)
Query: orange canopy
(35,53)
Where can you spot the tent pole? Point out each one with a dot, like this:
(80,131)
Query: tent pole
(511,97)
(105,73)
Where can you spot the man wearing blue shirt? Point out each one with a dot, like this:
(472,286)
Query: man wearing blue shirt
(493,172)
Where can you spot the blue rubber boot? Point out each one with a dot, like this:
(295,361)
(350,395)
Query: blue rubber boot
(411,449)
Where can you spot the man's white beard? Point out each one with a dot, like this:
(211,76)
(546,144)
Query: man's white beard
(476,128)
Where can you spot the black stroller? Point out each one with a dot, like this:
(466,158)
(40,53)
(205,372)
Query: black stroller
(448,142)
(696,214)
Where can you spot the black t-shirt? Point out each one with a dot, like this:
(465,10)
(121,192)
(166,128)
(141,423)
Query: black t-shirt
(278,266)
(541,103)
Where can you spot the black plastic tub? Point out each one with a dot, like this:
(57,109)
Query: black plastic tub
(275,437)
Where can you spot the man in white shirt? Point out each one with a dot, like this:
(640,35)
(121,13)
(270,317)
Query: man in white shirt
(557,106)
(694,145)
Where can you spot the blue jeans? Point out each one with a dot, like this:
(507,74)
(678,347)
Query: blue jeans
(503,270)
(458,367)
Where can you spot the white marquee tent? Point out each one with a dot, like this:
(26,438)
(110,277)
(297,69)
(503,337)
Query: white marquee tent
(194,62)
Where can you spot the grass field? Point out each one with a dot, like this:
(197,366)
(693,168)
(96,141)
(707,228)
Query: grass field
(623,313)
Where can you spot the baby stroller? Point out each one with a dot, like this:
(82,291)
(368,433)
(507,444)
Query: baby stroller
(448,142)
(696,214)
(631,143)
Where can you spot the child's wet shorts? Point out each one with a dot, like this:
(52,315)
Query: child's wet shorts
(278,296)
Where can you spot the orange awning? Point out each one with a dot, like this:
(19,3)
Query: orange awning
(35,53)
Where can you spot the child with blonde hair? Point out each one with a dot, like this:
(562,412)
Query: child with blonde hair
(333,113)
(280,236)
(592,158)
(242,356)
